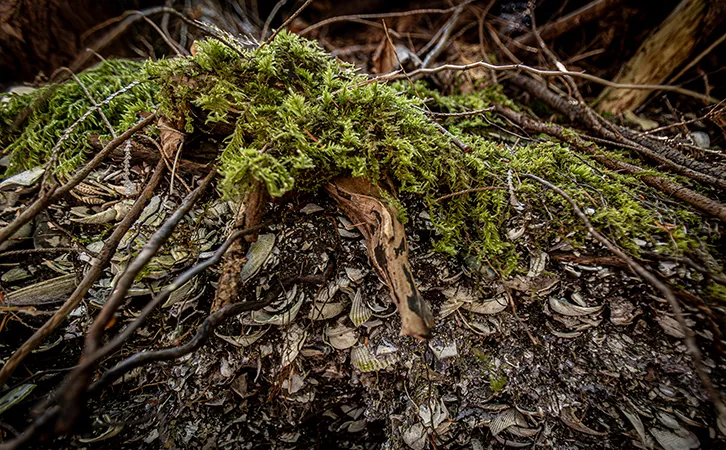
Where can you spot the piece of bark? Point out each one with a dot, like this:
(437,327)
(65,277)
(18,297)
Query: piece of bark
(666,49)
(249,215)
(385,238)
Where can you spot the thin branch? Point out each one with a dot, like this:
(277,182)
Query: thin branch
(162,296)
(54,192)
(549,73)
(287,22)
(469,191)
(379,16)
(77,381)
(272,15)
(651,279)
(97,267)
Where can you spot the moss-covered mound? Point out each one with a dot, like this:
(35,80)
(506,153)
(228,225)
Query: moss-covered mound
(293,118)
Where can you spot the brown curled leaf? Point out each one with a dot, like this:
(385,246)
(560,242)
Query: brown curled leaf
(385,238)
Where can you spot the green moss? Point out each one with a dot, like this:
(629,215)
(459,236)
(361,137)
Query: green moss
(497,382)
(292,117)
(56,108)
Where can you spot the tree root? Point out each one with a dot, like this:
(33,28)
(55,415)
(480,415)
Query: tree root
(74,388)
(249,215)
(99,264)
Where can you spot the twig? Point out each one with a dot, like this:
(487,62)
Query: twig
(689,340)
(683,193)
(464,147)
(55,192)
(93,101)
(444,40)
(698,170)
(287,22)
(379,16)
(162,296)
(549,73)
(97,267)
(469,191)
(271,16)
(77,381)
(30,251)
(459,114)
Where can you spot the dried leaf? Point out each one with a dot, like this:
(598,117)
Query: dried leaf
(566,308)
(15,396)
(257,255)
(341,337)
(490,306)
(506,419)
(362,359)
(359,312)
(385,238)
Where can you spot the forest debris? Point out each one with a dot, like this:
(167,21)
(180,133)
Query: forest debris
(43,293)
(14,396)
(341,337)
(362,359)
(385,237)
(662,52)
(256,256)
(359,311)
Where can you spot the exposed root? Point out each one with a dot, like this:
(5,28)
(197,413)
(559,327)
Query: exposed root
(97,268)
(249,215)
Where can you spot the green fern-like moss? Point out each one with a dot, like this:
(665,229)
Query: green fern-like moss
(293,118)
(55,108)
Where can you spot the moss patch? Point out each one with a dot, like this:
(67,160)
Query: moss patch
(292,117)
(56,108)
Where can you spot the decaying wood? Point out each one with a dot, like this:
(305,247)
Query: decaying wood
(385,238)
(249,215)
(662,53)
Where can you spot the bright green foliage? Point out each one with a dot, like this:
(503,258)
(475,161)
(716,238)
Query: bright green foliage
(293,118)
(55,109)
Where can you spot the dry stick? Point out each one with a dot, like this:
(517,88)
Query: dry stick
(162,296)
(443,41)
(97,267)
(378,16)
(287,22)
(78,380)
(548,73)
(697,170)
(55,192)
(272,15)
(685,194)
(92,100)
(469,191)
(45,422)
(690,340)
